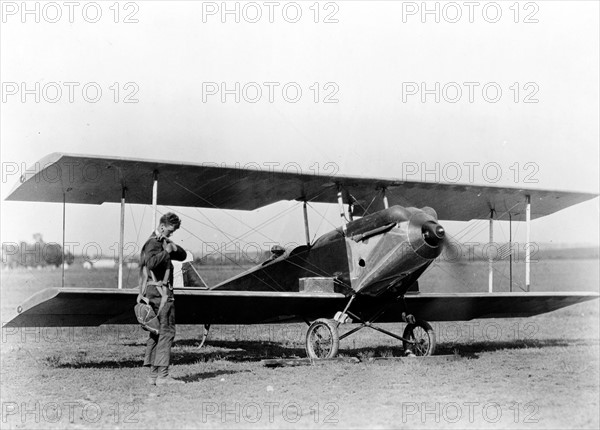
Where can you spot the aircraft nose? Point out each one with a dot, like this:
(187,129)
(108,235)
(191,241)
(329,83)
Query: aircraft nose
(433,233)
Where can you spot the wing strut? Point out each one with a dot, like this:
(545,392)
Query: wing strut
(306,224)
(527,248)
(510,252)
(121,237)
(63,238)
(341,206)
(385,199)
(490,257)
(154,198)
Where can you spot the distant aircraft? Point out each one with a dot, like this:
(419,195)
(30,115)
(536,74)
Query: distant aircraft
(365,271)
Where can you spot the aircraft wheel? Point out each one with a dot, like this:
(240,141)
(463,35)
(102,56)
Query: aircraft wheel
(422,333)
(204,335)
(322,339)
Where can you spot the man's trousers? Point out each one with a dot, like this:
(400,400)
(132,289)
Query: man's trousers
(158,347)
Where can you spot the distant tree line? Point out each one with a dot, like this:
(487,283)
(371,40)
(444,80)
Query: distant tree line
(38,253)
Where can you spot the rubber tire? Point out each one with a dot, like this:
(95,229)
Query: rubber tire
(409,334)
(332,327)
(204,335)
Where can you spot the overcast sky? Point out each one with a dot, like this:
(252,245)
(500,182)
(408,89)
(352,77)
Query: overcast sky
(522,95)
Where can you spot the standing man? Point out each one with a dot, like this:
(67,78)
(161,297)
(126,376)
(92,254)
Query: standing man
(156,256)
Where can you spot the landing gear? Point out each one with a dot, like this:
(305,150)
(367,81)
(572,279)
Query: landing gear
(204,335)
(322,339)
(419,339)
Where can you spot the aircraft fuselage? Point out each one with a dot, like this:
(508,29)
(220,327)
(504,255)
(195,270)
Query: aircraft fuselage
(390,248)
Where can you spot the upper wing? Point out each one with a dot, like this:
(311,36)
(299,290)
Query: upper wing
(96,180)
(68,307)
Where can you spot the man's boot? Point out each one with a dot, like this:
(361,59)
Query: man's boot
(164,378)
(153,375)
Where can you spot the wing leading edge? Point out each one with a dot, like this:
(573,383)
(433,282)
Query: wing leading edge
(91,179)
(75,307)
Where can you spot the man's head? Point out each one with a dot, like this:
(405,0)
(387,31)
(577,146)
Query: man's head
(169,222)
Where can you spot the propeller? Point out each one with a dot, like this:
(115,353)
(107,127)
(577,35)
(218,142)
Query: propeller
(433,233)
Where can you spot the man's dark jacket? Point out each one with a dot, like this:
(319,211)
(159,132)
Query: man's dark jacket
(157,260)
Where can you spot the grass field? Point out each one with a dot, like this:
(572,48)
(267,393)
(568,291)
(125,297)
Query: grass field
(539,372)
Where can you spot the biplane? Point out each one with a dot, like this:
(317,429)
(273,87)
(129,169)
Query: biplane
(364,272)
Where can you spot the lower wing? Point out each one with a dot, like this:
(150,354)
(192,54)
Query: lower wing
(75,307)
